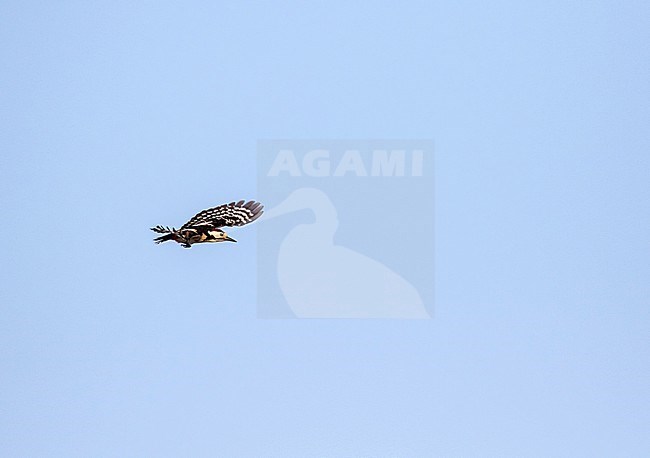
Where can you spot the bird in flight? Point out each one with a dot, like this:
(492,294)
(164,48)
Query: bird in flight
(205,226)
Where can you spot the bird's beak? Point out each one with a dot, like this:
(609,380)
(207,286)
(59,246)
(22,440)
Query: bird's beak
(229,239)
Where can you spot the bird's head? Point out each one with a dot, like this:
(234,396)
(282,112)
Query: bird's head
(220,236)
(227,238)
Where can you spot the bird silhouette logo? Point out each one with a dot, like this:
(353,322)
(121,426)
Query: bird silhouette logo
(320,279)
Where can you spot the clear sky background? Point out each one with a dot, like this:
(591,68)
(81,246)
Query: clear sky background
(117,116)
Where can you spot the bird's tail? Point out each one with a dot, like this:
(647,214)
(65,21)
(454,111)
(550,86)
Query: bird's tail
(169,233)
(164,238)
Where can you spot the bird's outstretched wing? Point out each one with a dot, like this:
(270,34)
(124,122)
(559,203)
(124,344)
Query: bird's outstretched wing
(232,214)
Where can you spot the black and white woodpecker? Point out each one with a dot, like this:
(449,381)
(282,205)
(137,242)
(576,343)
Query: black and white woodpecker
(205,226)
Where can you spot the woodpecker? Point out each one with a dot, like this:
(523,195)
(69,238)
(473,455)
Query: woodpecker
(205,226)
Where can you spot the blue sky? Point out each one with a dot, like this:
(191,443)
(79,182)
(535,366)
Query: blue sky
(118,116)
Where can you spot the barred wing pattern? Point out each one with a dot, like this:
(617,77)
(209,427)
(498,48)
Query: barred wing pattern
(232,214)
